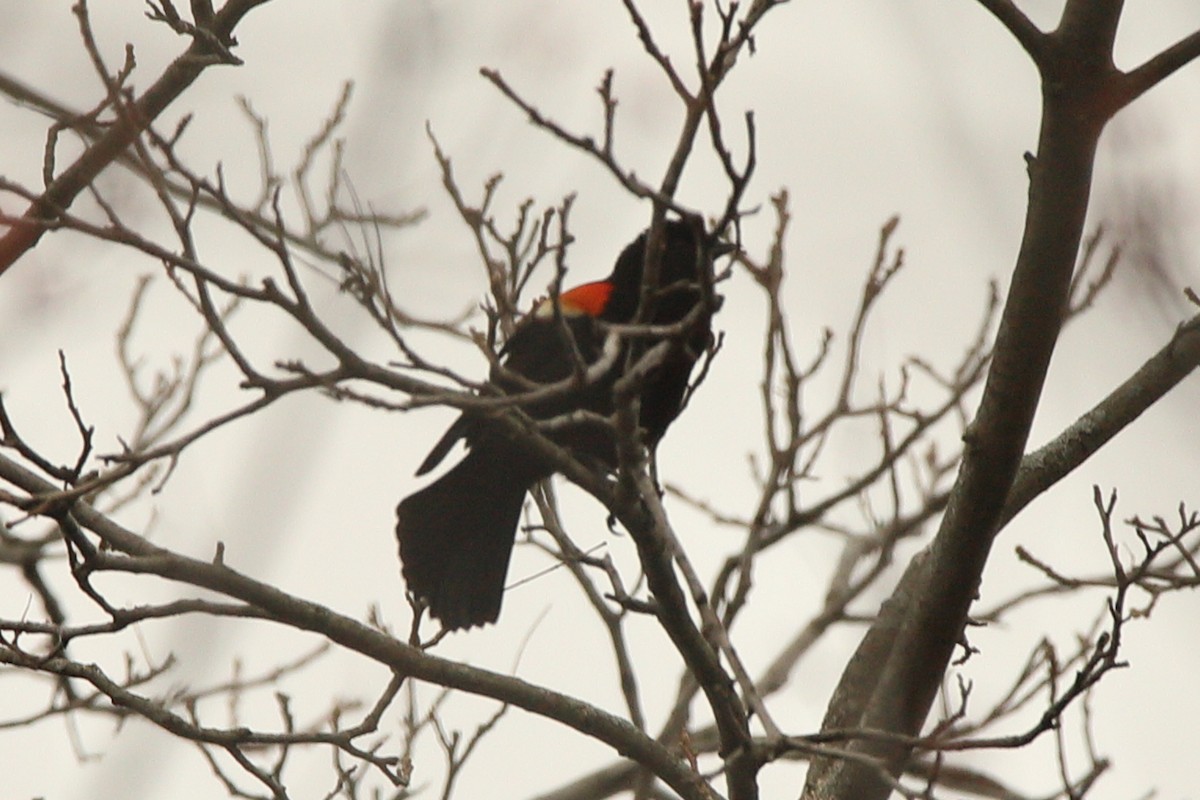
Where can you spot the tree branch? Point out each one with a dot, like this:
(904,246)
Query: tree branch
(133,554)
(177,77)
(1136,82)
(1019,25)
(894,676)
(1049,464)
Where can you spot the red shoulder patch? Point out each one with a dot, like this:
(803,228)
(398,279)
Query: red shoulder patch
(590,299)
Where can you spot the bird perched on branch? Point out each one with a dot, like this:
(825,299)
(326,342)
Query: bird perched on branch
(456,535)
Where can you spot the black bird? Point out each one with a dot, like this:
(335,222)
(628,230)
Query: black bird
(456,535)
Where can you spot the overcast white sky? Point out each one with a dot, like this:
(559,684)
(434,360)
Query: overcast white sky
(864,110)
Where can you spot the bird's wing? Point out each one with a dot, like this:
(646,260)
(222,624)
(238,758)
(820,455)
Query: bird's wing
(455,432)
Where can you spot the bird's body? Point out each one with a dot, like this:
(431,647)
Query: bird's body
(456,535)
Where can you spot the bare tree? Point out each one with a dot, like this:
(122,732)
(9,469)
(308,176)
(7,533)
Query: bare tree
(957,432)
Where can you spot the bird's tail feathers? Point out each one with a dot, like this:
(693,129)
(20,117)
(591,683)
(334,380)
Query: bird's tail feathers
(456,536)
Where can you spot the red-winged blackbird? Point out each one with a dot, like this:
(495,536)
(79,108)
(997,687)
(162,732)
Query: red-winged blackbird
(456,535)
